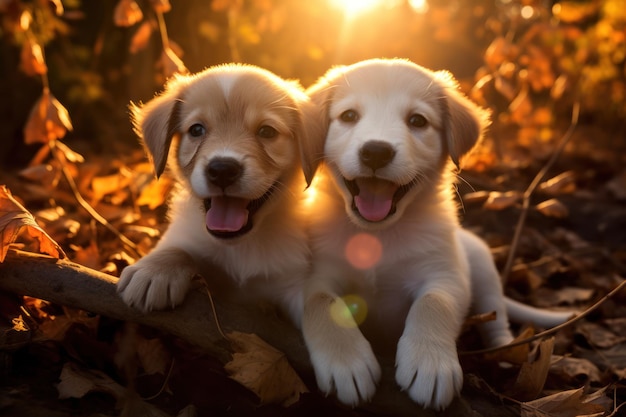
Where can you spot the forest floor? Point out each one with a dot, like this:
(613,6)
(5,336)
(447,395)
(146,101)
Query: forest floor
(571,253)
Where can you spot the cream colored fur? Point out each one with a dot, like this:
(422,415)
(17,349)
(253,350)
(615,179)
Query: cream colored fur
(419,291)
(251,119)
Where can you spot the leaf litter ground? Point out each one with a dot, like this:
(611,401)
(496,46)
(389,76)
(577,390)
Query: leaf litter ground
(62,362)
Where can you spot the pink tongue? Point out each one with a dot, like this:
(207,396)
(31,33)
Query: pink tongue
(227,214)
(375,198)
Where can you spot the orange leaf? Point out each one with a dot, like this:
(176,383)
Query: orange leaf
(553,208)
(31,59)
(500,201)
(48,120)
(141,37)
(14,217)
(161,6)
(127,13)
(264,370)
(564,183)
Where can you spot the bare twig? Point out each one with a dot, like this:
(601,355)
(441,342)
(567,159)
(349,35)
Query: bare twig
(552,330)
(531,188)
(89,209)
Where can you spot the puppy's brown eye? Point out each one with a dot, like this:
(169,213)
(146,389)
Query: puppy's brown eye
(417,120)
(267,132)
(197,130)
(349,116)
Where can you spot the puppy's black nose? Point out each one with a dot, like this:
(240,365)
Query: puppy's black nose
(376,154)
(224,171)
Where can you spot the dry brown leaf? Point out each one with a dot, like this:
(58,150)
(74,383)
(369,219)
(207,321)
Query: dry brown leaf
(155,193)
(576,370)
(141,37)
(564,183)
(161,6)
(499,201)
(564,404)
(476,197)
(521,107)
(517,354)
(13,218)
(599,336)
(553,208)
(76,382)
(153,356)
(264,370)
(532,375)
(31,58)
(108,184)
(127,13)
(617,186)
(48,120)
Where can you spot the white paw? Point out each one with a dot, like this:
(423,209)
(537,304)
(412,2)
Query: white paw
(347,366)
(430,373)
(157,281)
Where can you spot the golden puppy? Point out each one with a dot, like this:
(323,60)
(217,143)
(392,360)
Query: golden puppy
(234,135)
(385,234)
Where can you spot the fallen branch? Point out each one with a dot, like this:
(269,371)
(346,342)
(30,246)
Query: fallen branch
(73,285)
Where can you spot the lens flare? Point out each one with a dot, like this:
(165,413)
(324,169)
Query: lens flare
(349,311)
(363,251)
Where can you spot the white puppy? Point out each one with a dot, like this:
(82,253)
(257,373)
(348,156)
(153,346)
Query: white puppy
(386,236)
(235,134)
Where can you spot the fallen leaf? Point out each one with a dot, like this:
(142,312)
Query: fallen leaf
(476,197)
(571,403)
(264,370)
(499,201)
(617,186)
(76,382)
(553,208)
(532,375)
(155,193)
(516,355)
(564,183)
(598,336)
(13,218)
(575,371)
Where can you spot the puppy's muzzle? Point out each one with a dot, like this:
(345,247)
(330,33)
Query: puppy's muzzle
(376,154)
(224,172)
(229,216)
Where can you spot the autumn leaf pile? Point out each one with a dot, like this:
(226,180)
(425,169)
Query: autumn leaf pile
(546,191)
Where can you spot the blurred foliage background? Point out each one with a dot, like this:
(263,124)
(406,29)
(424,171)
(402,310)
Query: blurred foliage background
(527,60)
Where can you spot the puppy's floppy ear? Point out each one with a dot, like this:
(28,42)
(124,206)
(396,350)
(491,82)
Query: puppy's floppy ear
(316,122)
(156,123)
(463,121)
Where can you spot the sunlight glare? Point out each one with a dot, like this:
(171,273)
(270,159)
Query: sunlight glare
(363,251)
(419,6)
(355,7)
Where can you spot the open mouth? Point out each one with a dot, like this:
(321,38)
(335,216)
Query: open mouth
(230,217)
(374,199)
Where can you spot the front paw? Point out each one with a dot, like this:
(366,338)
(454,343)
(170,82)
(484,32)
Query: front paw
(157,281)
(430,373)
(345,364)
